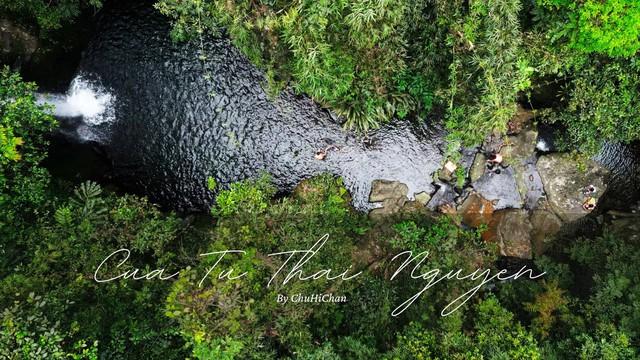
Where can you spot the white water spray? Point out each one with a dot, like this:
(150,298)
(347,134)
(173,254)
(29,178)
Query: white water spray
(542,145)
(83,99)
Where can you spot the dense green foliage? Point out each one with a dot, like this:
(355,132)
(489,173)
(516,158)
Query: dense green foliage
(470,60)
(609,27)
(23,125)
(370,61)
(51,241)
(350,56)
(599,79)
(47,15)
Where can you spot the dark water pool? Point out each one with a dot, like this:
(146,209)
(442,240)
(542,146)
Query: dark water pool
(179,119)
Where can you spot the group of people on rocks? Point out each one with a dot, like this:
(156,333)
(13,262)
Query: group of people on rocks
(494,165)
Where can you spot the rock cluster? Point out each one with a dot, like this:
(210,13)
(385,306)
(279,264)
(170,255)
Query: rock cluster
(522,205)
(16,43)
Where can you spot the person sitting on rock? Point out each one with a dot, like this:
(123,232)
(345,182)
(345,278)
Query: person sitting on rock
(589,190)
(494,162)
(589,204)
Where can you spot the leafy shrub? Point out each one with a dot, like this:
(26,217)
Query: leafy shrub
(609,27)
(349,55)
(48,15)
(495,335)
(602,104)
(61,254)
(23,184)
(27,333)
(245,196)
(245,309)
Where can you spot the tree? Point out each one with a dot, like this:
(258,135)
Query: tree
(610,27)
(48,15)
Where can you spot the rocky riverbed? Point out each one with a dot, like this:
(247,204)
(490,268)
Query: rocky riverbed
(527,202)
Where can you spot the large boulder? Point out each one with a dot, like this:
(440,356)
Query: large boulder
(476,210)
(529,183)
(500,189)
(563,181)
(393,198)
(545,225)
(445,194)
(511,230)
(382,190)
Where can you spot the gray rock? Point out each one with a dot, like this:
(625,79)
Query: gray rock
(467,159)
(389,207)
(393,197)
(445,195)
(500,189)
(563,183)
(520,152)
(529,182)
(478,167)
(520,147)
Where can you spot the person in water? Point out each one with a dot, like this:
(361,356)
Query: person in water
(322,153)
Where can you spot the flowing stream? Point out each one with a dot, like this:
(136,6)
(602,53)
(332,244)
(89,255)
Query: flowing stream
(168,119)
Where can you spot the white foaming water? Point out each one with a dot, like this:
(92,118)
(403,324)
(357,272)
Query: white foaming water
(85,99)
(542,145)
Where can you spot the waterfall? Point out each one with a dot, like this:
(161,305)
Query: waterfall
(84,110)
(85,99)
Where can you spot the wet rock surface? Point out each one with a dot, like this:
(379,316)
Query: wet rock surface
(476,210)
(445,194)
(391,197)
(16,43)
(478,167)
(623,186)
